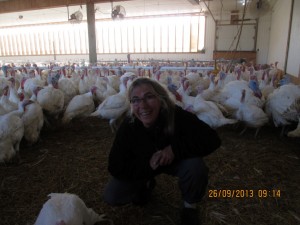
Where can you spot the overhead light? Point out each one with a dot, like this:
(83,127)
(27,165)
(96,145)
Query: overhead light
(243,2)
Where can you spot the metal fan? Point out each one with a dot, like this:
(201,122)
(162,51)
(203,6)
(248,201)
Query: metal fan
(76,17)
(118,12)
(258,8)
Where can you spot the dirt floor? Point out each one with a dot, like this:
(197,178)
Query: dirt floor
(74,159)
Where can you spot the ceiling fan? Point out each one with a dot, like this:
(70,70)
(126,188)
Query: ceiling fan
(75,17)
(118,12)
(258,8)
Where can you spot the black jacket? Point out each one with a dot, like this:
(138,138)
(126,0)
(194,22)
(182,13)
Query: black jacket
(134,144)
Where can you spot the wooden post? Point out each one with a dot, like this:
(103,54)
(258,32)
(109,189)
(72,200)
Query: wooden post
(90,11)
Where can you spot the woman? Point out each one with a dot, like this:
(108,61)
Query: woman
(159,137)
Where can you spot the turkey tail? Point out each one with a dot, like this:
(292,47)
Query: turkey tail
(225,121)
(95,217)
(230,121)
(104,218)
(46,120)
(66,119)
(296,132)
(115,123)
(96,114)
(225,110)
(293,111)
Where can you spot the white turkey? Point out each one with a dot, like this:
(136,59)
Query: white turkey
(211,91)
(67,209)
(6,104)
(3,79)
(11,133)
(101,92)
(221,80)
(74,75)
(14,96)
(105,90)
(231,75)
(99,82)
(92,74)
(280,101)
(3,71)
(80,106)
(296,132)
(32,80)
(33,119)
(3,83)
(51,98)
(171,87)
(173,93)
(187,99)
(114,106)
(294,112)
(274,71)
(68,87)
(250,115)
(195,80)
(230,95)
(85,83)
(163,77)
(209,112)
(114,81)
(2,110)
(246,72)
(267,86)
(129,76)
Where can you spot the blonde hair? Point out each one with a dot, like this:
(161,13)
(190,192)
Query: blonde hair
(167,110)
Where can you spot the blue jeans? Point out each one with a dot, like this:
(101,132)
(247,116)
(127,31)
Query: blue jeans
(192,176)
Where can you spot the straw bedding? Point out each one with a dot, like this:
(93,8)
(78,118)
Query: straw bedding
(73,159)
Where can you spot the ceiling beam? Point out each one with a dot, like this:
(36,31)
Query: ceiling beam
(10,6)
(194,2)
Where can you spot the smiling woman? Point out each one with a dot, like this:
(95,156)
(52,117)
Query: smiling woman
(159,138)
(145,104)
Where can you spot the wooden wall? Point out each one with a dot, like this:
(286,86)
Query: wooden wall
(249,56)
(26,5)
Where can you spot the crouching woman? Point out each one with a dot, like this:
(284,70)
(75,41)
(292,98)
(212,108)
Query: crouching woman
(159,137)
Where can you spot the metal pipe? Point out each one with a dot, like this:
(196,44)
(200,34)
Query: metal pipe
(209,10)
(289,37)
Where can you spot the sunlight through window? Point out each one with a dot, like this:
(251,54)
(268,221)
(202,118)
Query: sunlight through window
(145,35)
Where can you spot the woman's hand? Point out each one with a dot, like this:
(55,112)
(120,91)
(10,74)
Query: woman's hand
(154,161)
(162,157)
(167,156)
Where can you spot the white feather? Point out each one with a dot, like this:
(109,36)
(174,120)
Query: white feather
(69,209)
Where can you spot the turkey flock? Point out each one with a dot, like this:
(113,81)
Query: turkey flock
(32,97)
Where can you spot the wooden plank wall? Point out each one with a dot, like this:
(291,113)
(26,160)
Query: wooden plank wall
(249,56)
(27,5)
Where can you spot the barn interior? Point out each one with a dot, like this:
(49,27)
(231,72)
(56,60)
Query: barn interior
(260,23)
(253,176)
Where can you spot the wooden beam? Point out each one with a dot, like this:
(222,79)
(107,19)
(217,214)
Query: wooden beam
(194,2)
(91,32)
(28,5)
(249,56)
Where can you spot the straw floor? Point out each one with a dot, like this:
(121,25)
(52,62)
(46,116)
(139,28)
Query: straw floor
(74,159)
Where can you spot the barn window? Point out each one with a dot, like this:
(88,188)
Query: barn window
(143,35)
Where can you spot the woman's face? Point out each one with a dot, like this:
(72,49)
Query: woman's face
(145,105)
